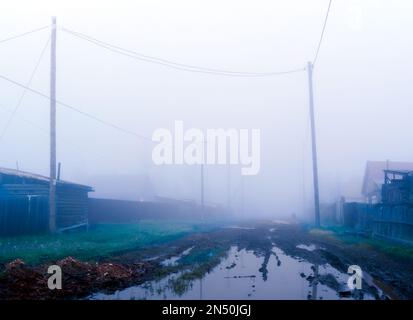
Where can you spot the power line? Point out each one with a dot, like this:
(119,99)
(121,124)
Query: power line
(322,33)
(25,91)
(10,110)
(23,34)
(104,122)
(46,131)
(146,58)
(172,64)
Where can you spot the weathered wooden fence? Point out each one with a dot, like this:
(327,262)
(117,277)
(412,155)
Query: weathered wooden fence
(23,214)
(389,221)
(359,216)
(121,211)
(394,222)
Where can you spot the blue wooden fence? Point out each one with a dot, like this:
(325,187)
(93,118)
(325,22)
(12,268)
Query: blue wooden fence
(23,214)
(388,221)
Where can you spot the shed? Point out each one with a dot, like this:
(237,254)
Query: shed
(24,203)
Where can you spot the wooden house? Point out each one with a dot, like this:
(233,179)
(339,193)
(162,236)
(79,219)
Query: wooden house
(24,203)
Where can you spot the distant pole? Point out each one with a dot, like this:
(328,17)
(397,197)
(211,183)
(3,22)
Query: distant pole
(52,188)
(242,197)
(59,165)
(229,186)
(202,191)
(313,145)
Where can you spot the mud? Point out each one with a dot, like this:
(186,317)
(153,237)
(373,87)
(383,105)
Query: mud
(19,281)
(388,277)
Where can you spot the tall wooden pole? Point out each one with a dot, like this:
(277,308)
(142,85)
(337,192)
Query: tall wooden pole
(242,197)
(314,146)
(52,189)
(229,185)
(202,192)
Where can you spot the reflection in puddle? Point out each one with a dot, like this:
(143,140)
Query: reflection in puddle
(310,247)
(240,228)
(246,275)
(173,261)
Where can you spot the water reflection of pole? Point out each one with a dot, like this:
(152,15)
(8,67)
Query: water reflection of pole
(200,289)
(315,283)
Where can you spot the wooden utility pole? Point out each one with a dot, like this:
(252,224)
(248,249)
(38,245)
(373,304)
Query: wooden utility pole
(202,191)
(313,145)
(52,188)
(242,197)
(59,167)
(229,185)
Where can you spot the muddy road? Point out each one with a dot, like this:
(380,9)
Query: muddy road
(256,260)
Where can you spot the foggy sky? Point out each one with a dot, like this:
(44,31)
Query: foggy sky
(362,85)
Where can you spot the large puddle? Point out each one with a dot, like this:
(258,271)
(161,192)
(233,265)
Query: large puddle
(242,275)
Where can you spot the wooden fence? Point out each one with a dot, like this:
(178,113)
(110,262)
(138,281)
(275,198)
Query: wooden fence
(388,221)
(121,211)
(23,214)
(394,222)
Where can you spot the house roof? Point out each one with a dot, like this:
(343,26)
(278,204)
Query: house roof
(399,172)
(374,174)
(40,178)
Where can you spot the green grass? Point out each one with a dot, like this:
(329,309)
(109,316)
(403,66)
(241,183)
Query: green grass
(201,262)
(201,255)
(398,250)
(100,241)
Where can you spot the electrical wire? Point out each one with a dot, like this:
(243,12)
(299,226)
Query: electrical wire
(10,110)
(175,65)
(142,57)
(46,132)
(24,34)
(322,33)
(24,91)
(86,114)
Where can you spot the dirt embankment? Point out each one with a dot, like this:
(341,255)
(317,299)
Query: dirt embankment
(19,281)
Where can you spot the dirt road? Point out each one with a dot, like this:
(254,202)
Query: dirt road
(196,255)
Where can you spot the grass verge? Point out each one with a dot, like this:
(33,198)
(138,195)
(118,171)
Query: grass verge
(99,241)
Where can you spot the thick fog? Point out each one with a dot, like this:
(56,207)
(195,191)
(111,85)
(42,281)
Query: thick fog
(362,91)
